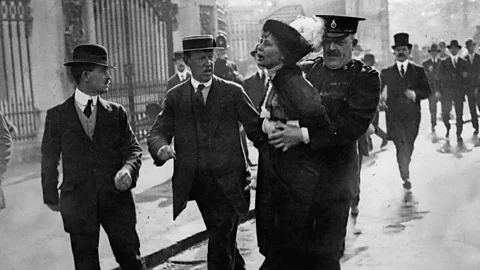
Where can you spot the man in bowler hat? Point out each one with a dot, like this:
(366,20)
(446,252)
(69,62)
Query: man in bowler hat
(472,82)
(404,85)
(182,74)
(101,159)
(431,66)
(202,116)
(350,91)
(452,74)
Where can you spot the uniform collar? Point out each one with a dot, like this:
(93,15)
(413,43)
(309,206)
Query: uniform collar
(195,83)
(83,98)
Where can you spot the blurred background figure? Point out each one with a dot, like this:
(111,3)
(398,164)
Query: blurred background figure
(472,82)
(181,72)
(225,68)
(256,84)
(5,152)
(431,67)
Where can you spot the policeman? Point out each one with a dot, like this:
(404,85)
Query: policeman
(225,68)
(350,91)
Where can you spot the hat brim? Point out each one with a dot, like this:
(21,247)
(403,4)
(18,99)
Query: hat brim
(335,36)
(71,63)
(458,46)
(436,50)
(200,49)
(409,46)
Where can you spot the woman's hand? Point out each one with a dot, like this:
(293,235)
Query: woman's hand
(285,136)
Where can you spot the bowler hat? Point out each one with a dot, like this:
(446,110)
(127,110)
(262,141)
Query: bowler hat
(454,43)
(198,43)
(338,27)
(434,47)
(401,39)
(89,54)
(470,42)
(368,57)
(294,45)
(221,41)
(177,55)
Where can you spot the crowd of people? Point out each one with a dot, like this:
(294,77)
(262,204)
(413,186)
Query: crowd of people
(310,120)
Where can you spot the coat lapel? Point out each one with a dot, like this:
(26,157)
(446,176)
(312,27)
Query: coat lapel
(73,120)
(103,119)
(215,98)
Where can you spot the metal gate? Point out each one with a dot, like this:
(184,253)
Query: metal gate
(138,36)
(16,88)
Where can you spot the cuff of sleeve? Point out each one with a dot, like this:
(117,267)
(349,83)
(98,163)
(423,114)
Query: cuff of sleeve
(305,135)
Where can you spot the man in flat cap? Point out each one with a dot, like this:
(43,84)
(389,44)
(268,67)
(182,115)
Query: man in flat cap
(431,66)
(404,85)
(101,160)
(350,92)
(182,74)
(452,73)
(472,81)
(202,116)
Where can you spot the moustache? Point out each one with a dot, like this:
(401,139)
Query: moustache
(333,53)
(401,54)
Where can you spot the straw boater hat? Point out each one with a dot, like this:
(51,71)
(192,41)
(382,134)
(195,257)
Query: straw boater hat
(198,43)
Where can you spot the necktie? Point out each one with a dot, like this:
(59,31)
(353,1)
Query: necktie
(199,94)
(402,71)
(88,109)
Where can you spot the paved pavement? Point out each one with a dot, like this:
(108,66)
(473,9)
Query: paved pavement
(433,226)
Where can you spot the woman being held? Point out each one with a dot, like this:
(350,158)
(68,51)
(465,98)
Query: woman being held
(287,177)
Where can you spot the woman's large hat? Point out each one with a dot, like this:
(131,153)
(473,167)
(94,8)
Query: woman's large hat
(401,39)
(89,54)
(288,39)
(198,43)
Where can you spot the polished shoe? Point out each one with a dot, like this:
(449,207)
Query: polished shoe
(354,212)
(448,134)
(407,184)
(475,133)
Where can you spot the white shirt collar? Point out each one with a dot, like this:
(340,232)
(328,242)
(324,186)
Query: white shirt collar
(271,72)
(195,83)
(261,71)
(83,98)
(404,64)
(472,56)
(183,75)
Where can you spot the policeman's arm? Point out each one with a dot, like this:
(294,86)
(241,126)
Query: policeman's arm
(51,149)
(354,119)
(249,117)
(161,133)
(423,90)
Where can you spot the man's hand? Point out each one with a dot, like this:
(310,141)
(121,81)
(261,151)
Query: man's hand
(475,92)
(438,95)
(465,74)
(54,207)
(123,180)
(285,136)
(384,94)
(166,152)
(410,94)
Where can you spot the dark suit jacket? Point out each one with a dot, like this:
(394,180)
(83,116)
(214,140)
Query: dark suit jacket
(473,70)
(451,78)
(255,88)
(400,108)
(431,71)
(175,79)
(225,158)
(89,166)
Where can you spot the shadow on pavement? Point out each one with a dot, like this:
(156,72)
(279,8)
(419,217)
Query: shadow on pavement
(161,193)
